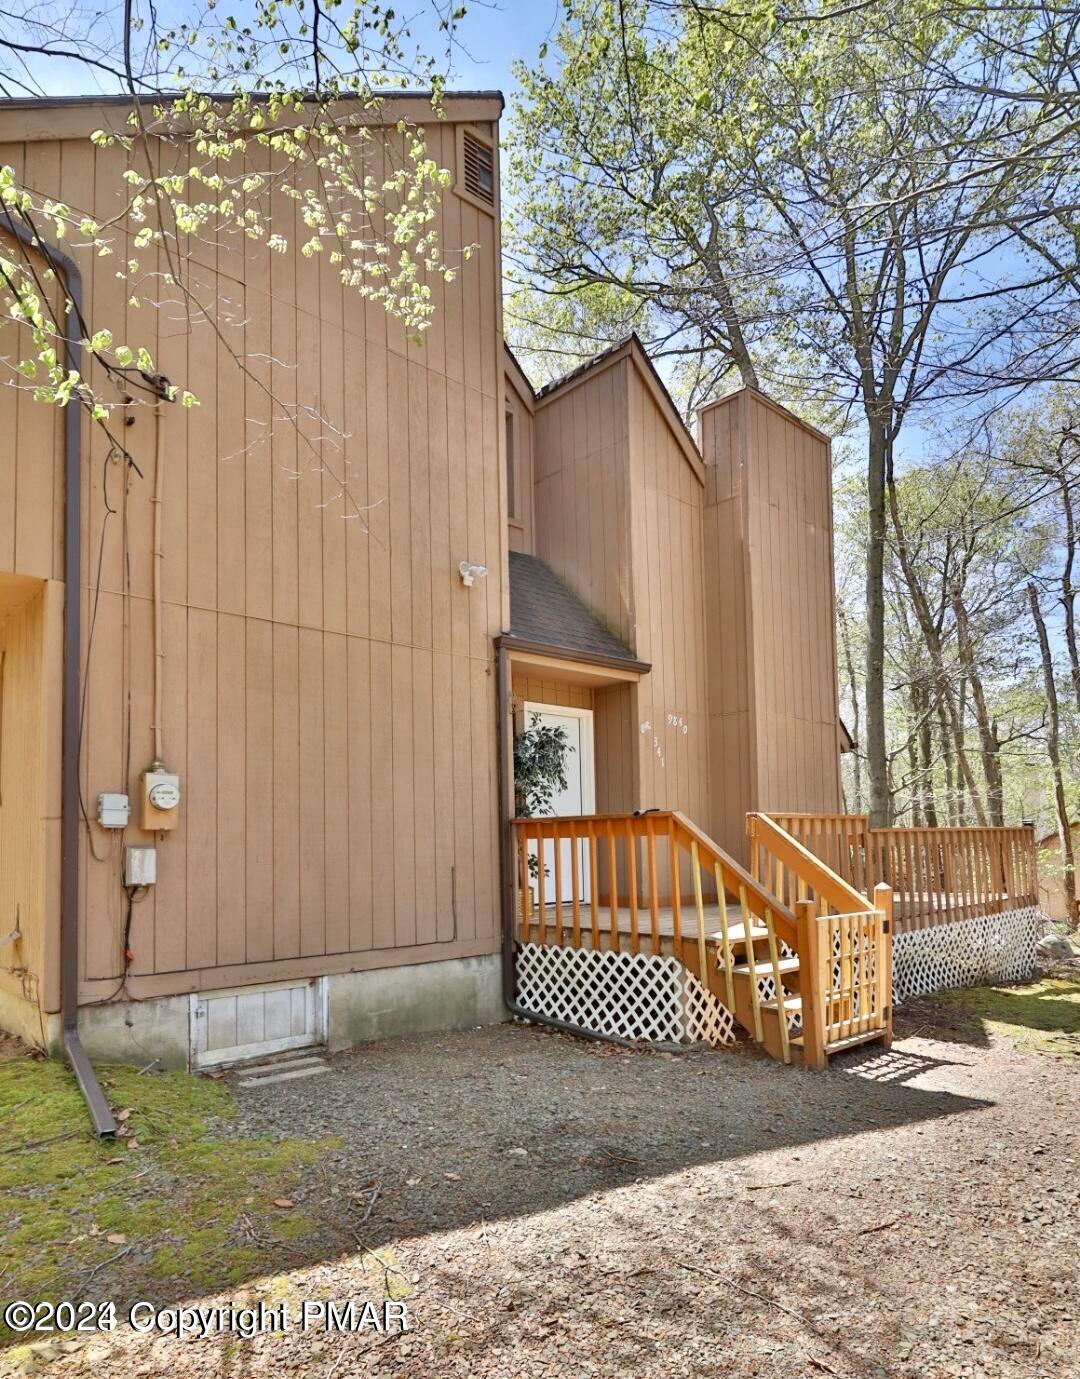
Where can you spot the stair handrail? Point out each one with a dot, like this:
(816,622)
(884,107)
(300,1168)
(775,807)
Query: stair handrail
(803,864)
(738,882)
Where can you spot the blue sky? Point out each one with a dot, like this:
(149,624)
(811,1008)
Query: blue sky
(494,34)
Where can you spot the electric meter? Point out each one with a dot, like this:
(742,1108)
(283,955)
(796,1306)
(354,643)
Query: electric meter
(165,795)
(160,799)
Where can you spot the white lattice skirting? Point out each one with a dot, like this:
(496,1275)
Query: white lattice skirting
(638,996)
(991,948)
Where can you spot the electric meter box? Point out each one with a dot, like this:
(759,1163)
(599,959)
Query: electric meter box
(160,801)
(140,866)
(114,811)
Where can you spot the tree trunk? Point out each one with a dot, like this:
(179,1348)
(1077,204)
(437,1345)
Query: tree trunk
(988,738)
(877,770)
(926,756)
(915,791)
(958,720)
(1068,594)
(853,690)
(937,655)
(947,763)
(1053,750)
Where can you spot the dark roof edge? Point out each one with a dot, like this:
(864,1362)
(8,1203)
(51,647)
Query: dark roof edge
(770,402)
(393,93)
(522,376)
(583,368)
(634,346)
(569,653)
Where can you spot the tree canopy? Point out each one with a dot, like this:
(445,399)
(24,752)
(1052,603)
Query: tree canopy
(868,208)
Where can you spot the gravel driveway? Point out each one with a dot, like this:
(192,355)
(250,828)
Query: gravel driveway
(552,1207)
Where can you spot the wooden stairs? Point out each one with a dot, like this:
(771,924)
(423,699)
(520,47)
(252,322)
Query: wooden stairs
(801,960)
(754,963)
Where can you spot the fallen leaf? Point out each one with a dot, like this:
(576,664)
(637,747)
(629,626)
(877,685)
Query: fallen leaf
(125,1114)
(133,1143)
(283,1202)
(454,1177)
(117,1238)
(412,1182)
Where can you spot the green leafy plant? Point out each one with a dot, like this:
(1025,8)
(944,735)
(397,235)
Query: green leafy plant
(243,121)
(540,753)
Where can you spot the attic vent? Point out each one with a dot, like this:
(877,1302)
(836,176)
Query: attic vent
(479,165)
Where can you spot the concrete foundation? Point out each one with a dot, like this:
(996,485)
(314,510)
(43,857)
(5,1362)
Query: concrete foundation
(27,1022)
(409,1000)
(360,1006)
(138,1032)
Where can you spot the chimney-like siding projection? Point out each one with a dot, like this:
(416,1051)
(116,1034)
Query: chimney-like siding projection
(769,607)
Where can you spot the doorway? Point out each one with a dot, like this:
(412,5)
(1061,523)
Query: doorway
(579,797)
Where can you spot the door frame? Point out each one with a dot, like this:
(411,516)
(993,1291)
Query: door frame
(588,754)
(587,769)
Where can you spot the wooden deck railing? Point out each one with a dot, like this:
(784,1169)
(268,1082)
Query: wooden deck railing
(656,883)
(790,869)
(852,959)
(937,875)
(634,880)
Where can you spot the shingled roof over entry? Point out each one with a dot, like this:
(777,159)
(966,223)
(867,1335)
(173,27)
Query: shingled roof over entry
(547,615)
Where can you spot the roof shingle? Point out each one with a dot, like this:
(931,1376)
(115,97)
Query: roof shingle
(546,612)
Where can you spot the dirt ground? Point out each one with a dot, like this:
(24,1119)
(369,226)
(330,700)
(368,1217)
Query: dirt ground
(550,1207)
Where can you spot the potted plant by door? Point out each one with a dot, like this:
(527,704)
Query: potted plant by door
(540,753)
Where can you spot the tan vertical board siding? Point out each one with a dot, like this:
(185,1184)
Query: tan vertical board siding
(666,509)
(615,766)
(770,614)
(27,803)
(726,623)
(581,492)
(535,691)
(521,527)
(328,686)
(790,550)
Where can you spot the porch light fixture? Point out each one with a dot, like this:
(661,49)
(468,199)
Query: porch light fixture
(471,573)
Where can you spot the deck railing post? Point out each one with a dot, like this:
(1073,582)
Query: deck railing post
(813,1015)
(883,904)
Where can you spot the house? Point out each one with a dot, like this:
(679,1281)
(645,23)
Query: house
(1052,897)
(255,779)
(709,572)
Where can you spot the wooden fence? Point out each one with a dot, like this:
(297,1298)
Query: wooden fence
(938,875)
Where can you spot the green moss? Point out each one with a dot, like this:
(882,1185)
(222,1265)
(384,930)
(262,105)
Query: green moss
(191,1217)
(1042,1017)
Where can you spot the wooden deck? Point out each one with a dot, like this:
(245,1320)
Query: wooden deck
(826,959)
(665,922)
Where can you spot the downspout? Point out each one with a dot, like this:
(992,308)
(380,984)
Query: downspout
(71,279)
(505,749)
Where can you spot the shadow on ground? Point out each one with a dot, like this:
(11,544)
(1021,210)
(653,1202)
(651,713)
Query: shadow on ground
(1041,1016)
(400,1139)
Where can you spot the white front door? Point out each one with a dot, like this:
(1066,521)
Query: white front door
(579,797)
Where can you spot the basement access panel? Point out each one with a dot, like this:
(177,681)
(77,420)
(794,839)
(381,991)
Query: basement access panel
(253,1021)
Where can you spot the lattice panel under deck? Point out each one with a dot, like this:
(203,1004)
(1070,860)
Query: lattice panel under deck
(640,996)
(971,952)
